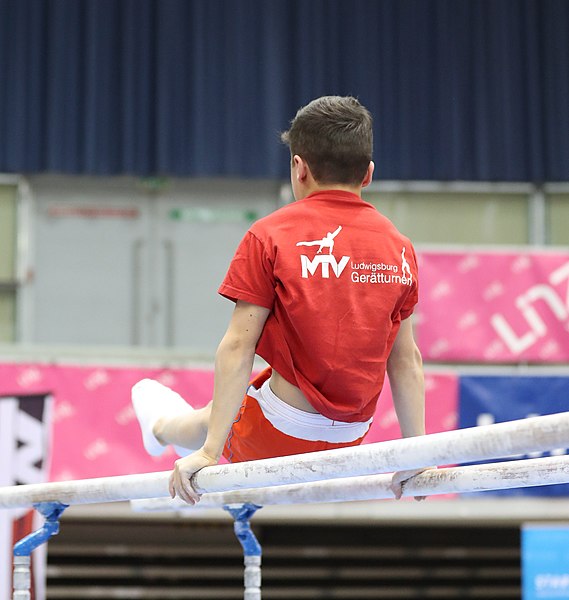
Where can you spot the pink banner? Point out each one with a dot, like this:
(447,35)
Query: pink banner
(95,433)
(494,306)
(441,399)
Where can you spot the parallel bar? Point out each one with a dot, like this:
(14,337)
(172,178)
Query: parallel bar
(457,480)
(513,438)
(87,491)
(501,440)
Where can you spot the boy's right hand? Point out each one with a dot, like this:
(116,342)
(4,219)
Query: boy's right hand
(180,483)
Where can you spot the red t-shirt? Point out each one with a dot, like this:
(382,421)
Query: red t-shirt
(338,278)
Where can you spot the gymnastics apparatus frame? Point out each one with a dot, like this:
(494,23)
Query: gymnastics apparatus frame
(354,473)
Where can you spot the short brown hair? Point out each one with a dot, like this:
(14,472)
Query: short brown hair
(334,135)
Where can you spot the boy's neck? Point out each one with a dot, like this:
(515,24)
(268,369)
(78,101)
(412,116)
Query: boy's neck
(324,187)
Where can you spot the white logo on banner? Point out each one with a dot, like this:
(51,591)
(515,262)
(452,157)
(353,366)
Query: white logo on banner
(526,304)
(30,451)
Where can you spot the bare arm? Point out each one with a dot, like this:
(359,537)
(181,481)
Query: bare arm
(233,365)
(405,370)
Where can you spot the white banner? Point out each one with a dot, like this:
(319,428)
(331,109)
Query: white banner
(24,437)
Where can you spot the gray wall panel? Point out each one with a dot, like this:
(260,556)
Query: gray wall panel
(120,262)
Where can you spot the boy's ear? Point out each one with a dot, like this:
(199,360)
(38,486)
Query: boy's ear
(301,168)
(369,174)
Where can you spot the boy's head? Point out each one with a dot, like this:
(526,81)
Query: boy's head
(333,135)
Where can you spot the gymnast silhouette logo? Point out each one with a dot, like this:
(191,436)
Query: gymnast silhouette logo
(405,270)
(325,261)
(326,242)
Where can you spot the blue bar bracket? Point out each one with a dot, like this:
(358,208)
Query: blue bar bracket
(51,511)
(242,514)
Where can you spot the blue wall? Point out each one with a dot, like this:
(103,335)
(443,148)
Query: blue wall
(462,89)
(502,399)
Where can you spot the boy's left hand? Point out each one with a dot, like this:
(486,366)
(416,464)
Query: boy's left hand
(400,478)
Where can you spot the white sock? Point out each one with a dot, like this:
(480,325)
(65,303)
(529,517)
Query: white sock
(152,400)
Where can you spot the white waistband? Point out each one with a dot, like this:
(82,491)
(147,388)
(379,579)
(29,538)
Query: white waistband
(304,425)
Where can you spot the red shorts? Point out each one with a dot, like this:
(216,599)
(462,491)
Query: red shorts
(253,436)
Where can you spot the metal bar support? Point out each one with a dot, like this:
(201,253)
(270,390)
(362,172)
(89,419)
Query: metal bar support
(252,551)
(22,580)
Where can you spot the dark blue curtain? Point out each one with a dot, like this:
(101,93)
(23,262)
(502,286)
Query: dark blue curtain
(460,89)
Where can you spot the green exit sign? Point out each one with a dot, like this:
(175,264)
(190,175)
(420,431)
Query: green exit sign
(213,215)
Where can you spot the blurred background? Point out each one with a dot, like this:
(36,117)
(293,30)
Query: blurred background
(139,139)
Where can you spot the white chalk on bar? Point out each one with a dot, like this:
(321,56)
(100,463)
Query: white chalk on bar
(454,480)
(486,442)
(500,440)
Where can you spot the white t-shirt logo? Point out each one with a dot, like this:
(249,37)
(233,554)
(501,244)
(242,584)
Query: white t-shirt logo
(405,270)
(326,242)
(324,260)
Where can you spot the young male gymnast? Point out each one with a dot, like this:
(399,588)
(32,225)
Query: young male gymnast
(329,323)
